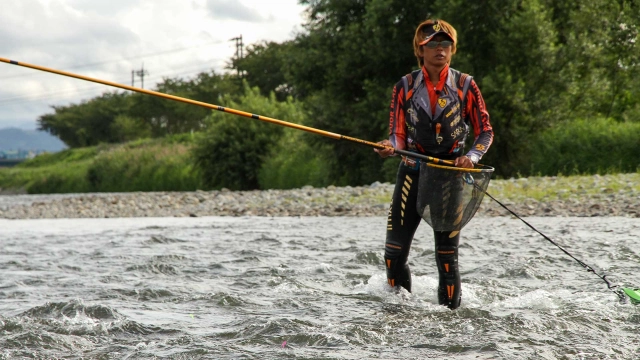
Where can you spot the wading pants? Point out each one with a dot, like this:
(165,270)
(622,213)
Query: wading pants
(402,222)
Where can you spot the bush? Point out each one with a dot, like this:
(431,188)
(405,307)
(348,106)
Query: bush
(70,179)
(126,128)
(596,146)
(155,167)
(294,164)
(231,151)
(67,156)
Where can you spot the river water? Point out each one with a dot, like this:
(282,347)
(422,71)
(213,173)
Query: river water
(310,288)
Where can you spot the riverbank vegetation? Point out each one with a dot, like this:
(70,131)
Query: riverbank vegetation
(563,95)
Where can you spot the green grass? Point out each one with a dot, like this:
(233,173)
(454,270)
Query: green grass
(69,156)
(545,188)
(539,188)
(596,146)
(142,165)
(166,165)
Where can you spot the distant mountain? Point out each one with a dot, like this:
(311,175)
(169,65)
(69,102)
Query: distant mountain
(18,139)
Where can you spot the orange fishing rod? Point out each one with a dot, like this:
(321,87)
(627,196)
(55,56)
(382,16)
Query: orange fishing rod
(230,111)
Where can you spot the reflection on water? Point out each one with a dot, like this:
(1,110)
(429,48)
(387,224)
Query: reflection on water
(307,288)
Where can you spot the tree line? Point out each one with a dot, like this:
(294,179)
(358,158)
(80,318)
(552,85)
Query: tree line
(560,79)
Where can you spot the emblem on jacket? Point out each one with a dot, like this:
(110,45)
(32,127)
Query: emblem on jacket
(442,102)
(412,115)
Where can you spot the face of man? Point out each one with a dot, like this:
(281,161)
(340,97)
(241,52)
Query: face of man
(437,56)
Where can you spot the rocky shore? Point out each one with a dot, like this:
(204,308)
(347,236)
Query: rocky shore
(596,197)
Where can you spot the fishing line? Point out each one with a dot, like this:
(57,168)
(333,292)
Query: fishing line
(66,94)
(634,294)
(125,59)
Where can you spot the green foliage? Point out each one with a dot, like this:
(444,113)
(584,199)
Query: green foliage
(345,67)
(57,180)
(61,158)
(594,146)
(231,151)
(390,169)
(294,164)
(540,64)
(142,165)
(120,117)
(85,124)
(264,66)
(166,117)
(125,128)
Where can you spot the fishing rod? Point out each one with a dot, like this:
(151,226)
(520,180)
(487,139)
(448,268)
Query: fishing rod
(634,294)
(231,111)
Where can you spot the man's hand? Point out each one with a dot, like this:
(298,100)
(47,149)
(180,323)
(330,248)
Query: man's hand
(464,162)
(385,152)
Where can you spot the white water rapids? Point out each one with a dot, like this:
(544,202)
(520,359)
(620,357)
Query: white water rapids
(310,288)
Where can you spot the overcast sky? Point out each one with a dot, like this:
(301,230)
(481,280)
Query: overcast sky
(107,39)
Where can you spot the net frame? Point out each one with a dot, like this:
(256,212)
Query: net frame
(449,196)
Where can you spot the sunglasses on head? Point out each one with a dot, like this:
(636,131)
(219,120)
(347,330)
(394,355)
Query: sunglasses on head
(434,44)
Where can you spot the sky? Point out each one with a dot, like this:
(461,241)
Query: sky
(108,39)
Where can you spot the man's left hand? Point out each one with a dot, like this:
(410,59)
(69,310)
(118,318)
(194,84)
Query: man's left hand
(464,162)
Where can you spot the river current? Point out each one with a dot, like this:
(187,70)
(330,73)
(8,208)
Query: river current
(311,288)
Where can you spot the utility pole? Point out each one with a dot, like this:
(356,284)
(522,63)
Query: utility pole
(239,50)
(140,73)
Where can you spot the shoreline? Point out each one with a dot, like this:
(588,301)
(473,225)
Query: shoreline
(370,200)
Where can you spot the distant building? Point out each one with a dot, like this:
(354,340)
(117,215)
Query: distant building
(10,158)
(18,154)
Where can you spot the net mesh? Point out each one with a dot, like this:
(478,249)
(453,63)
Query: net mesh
(448,197)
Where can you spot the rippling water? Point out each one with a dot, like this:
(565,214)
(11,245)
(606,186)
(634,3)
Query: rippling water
(310,288)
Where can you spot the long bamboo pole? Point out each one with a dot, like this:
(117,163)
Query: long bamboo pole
(230,111)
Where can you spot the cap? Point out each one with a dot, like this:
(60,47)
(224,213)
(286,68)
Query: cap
(432,30)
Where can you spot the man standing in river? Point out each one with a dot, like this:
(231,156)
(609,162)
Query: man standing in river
(431,112)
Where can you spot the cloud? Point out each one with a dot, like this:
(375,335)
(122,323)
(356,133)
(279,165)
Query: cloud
(104,7)
(233,10)
(109,39)
(54,31)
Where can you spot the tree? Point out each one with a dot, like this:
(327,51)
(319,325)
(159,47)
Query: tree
(88,123)
(345,67)
(539,64)
(115,117)
(265,65)
(511,48)
(166,117)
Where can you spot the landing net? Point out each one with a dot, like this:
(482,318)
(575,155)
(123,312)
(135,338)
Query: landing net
(448,197)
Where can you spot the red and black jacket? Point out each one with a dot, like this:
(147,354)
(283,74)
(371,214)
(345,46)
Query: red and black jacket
(426,118)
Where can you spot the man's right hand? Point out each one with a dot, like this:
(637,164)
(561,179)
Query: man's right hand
(385,152)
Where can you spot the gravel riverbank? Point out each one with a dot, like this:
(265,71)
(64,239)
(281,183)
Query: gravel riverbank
(615,195)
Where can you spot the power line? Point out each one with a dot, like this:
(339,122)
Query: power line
(118,60)
(52,95)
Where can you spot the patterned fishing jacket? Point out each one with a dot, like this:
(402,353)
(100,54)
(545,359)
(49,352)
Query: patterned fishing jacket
(435,119)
